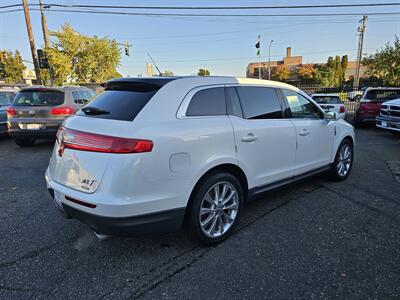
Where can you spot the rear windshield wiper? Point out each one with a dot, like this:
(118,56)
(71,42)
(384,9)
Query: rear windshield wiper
(94,111)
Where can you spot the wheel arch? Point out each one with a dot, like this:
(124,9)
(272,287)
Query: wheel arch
(225,167)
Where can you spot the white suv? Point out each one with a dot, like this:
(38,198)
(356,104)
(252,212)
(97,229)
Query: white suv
(148,154)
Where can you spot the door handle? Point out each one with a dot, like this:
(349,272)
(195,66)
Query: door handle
(304,132)
(250,137)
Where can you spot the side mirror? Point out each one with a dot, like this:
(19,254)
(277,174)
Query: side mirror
(330,116)
(357,98)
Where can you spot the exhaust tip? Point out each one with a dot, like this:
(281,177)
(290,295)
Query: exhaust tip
(101,237)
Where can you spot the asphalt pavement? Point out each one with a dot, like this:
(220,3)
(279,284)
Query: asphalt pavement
(315,239)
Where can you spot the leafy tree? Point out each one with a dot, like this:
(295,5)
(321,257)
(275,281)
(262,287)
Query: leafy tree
(203,72)
(80,59)
(281,73)
(385,63)
(11,66)
(167,73)
(333,72)
(306,72)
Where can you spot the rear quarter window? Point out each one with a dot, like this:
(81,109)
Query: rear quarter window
(207,102)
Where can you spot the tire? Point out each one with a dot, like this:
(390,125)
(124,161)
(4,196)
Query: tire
(24,142)
(395,133)
(342,166)
(209,221)
(358,124)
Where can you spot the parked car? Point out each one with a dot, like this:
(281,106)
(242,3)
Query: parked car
(37,112)
(149,153)
(389,117)
(331,102)
(6,98)
(370,104)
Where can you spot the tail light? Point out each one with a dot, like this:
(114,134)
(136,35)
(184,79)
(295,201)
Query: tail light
(84,141)
(342,109)
(63,110)
(11,112)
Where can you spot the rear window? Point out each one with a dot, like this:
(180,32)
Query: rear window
(382,95)
(119,105)
(208,102)
(6,98)
(327,99)
(39,98)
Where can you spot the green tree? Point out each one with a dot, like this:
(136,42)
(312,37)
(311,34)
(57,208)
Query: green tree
(11,66)
(281,73)
(344,63)
(203,72)
(385,63)
(167,73)
(78,58)
(306,72)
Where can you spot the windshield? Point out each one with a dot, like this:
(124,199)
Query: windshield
(6,98)
(39,98)
(327,99)
(382,95)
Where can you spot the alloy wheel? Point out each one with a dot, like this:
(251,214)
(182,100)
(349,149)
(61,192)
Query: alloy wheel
(219,209)
(344,160)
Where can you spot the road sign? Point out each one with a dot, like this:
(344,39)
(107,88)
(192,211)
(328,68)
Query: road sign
(29,75)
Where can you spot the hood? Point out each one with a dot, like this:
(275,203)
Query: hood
(392,102)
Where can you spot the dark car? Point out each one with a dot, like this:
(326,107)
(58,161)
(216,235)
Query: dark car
(370,104)
(37,112)
(6,97)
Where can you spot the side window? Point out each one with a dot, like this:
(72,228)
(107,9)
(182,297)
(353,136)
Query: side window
(79,97)
(207,102)
(301,107)
(259,102)
(233,103)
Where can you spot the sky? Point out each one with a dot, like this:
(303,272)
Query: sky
(223,45)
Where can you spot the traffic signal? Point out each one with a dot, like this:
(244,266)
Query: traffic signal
(43,62)
(126,49)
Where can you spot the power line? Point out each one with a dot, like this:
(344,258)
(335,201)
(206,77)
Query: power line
(226,7)
(225,15)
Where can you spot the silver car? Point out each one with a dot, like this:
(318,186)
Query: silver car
(6,97)
(37,112)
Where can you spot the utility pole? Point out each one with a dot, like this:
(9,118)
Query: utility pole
(31,41)
(361,30)
(44,26)
(269,59)
(46,38)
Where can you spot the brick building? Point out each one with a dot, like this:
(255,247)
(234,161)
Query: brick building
(293,63)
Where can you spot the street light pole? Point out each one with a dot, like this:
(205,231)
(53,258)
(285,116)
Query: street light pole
(269,59)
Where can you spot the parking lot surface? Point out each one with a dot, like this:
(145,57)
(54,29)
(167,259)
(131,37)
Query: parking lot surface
(315,239)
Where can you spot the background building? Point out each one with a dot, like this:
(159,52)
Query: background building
(293,63)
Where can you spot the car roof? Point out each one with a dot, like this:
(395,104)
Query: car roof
(324,95)
(53,88)
(202,80)
(382,88)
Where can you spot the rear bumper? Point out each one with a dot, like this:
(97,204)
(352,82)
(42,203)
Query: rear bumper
(3,128)
(50,127)
(163,221)
(33,133)
(154,221)
(392,123)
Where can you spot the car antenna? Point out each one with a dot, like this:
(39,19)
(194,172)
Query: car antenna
(159,72)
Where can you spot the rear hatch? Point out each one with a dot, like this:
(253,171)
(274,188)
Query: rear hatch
(33,107)
(102,128)
(330,103)
(373,99)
